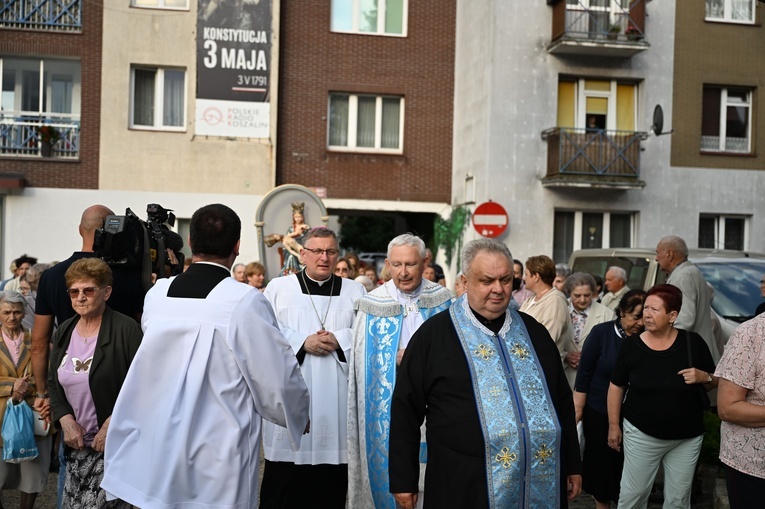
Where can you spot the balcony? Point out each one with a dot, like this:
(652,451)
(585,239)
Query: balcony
(610,30)
(593,158)
(53,15)
(19,138)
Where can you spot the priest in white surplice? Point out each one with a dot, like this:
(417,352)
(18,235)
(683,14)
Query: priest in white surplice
(185,431)
(315,311)
(387,318)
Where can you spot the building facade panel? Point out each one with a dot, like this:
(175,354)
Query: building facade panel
(54,44)
(721,55)
(162,157)
(418,67)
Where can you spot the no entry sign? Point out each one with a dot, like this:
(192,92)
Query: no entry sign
(490,219)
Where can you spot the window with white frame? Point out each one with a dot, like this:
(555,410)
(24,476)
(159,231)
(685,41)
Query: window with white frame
(382,17)
(40,87)
(726,119)
(364,123)
(161,4)
(723,232)
(574,230)
(732,11)
(158,98)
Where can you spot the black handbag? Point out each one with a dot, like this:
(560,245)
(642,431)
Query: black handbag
(705,403)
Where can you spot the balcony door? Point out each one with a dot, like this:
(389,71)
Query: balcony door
(597,105)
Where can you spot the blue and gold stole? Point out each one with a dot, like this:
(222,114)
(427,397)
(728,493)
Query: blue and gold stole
(519,422)
(382,334)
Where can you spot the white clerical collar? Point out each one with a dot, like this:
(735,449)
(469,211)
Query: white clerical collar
(216,264)
(316,280)
(406,296)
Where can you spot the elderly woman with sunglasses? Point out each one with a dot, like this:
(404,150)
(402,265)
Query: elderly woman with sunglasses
(92,352)
(29,477)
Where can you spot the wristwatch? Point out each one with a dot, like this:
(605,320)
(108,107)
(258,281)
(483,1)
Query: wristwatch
(43,396)
(709,380)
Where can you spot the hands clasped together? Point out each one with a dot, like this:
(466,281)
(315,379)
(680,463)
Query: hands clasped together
(322,343)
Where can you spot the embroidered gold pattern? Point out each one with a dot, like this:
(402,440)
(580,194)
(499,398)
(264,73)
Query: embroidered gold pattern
(485,352)
(519,351)
(543,454)
(505,457)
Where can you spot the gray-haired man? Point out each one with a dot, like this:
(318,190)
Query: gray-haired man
(386,320)
(616,284)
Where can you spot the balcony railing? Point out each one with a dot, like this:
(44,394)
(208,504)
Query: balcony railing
(59,15)
(579,28)
(19,137)
(596,154)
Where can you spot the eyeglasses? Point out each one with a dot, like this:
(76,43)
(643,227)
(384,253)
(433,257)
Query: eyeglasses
(75,292)
(319,252)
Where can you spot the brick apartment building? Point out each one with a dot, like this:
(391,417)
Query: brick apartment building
(50,54)
(366,103)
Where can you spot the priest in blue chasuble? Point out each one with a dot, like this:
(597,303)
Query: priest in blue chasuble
(501,432)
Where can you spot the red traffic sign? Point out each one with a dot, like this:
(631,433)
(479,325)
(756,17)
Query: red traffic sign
(490,219)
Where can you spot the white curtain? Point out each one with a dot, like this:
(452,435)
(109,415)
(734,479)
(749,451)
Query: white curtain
(742,10)
(365,131)
(338,120)
(61,93)
(174,99)
(391,121)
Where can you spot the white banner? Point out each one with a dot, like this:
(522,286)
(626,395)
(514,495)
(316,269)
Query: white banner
(232,118)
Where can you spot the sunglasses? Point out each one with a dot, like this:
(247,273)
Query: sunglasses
(88,292)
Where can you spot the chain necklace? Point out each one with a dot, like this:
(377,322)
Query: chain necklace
(86,336)
(331,291)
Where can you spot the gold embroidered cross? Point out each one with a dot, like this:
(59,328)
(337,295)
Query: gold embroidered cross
(505,457)
(495,391)
(519,351)
(543,454)
(484,352)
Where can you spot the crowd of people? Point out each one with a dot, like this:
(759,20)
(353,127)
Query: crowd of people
(525,386)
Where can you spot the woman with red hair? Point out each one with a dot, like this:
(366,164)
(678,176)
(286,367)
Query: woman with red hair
(668,372)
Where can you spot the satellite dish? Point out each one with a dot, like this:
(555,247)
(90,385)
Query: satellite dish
(658,120)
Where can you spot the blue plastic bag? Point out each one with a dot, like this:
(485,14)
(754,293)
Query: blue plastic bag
(18,433)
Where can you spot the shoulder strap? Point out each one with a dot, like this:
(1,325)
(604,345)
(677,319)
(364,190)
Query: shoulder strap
(688,344)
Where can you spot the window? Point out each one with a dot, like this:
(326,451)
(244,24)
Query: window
(383,17)
(732,11)
(161,4)
(723,232)
(47,88)
(726,119)
(590,230)
(366,123)
(158,98)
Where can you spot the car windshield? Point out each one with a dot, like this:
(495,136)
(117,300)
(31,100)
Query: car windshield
(736,284)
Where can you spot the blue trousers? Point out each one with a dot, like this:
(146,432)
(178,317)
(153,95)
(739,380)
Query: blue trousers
(642,456)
